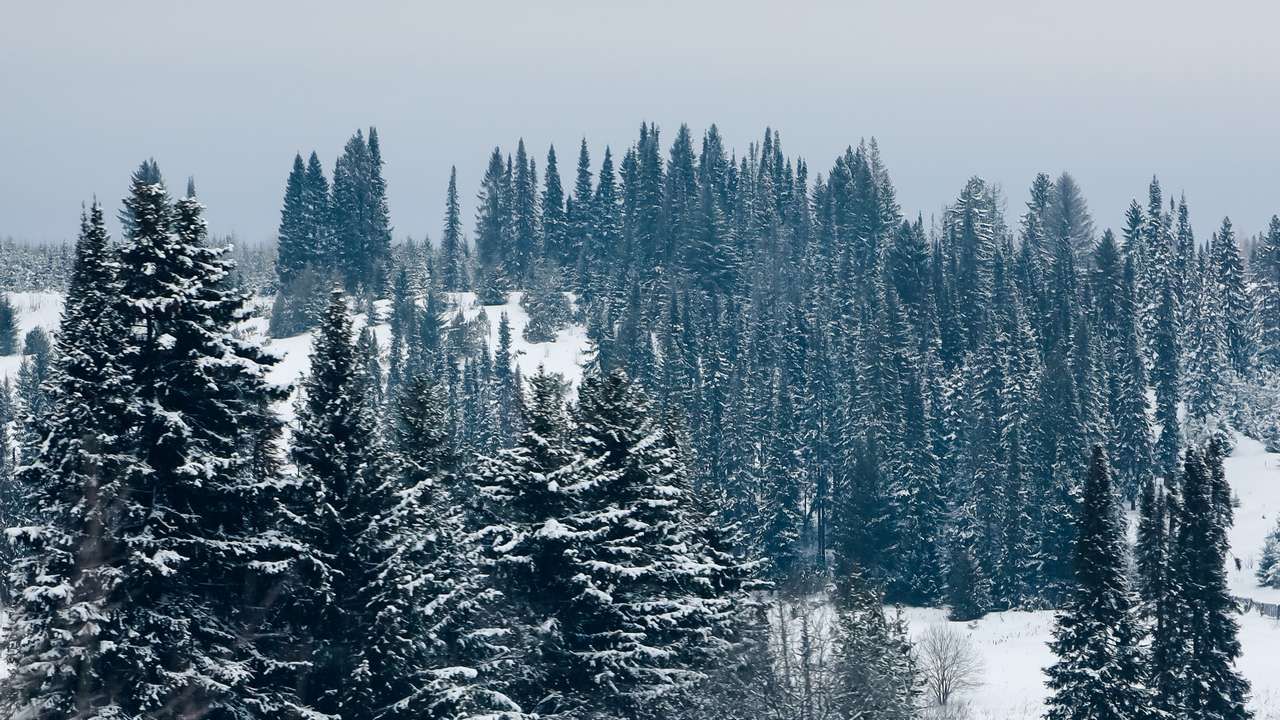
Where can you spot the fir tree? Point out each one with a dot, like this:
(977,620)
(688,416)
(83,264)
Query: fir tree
(362,226)
(453,274)
(1098,672)
(293,244)
(555,232)
(1212,686)
(8,326)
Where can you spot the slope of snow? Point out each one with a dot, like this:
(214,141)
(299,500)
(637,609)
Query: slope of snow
(564,356)
(1014,645)
(1254,475)
(35,309)
(1015,650)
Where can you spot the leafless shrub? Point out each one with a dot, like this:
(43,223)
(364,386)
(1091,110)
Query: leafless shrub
(949,662)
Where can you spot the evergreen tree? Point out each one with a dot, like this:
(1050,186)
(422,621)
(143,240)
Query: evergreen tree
(1098,672)
(1238,316)
(875,666)
(8,326)
(1166,376)
(452,267)
(74,487)
(160,546)
(362,226)
(294,250)
(530,490)
(555,231)
(1212,686)
(547,306)
(1265,269)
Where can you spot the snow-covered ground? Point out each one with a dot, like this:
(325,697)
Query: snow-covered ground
(564,355)
(1014,645)
(35,309)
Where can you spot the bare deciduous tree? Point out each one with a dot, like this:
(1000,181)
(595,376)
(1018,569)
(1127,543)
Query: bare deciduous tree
(949,662)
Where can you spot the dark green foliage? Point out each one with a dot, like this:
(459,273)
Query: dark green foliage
(546,304)
(361,222)
(1098,673)
(298,305)
(8,326)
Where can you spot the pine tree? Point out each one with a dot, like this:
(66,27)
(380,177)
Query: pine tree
(453,273)
(61,587)
(554,224)
(1098,673)
(294,250)
(1212,687)
(8,326)
(362,226)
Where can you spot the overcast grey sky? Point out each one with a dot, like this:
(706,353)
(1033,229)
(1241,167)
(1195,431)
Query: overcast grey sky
(227,91)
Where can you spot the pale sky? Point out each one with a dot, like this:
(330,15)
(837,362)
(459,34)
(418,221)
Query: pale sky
(227,91)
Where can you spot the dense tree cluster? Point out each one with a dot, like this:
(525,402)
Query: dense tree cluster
(170,563)
(339,231)
(916,401)
(790,383)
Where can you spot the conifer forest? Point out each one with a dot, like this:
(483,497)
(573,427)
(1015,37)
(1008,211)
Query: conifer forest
(681,428)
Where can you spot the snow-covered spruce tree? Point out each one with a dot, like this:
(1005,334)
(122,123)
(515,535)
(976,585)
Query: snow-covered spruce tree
(1131,447)
(1098,674)
(8,326)
(386,594)
(1265,269)
(293,249)
(197,521)
(1268,568)
(659,599)
(32,396)
(435,558)
(361,221)
(1212,687)
(1166,376)
(66,575)
(875,668)
(529,492)
(553,220)
(452,263)
(546,304)
(1239,315)
(1206,358)
(158,546)
(1166,605)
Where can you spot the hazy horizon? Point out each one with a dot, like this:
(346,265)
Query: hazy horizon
(227,94)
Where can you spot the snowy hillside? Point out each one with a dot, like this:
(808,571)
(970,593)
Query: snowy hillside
(1014,645)
(564,356)
(35,309)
